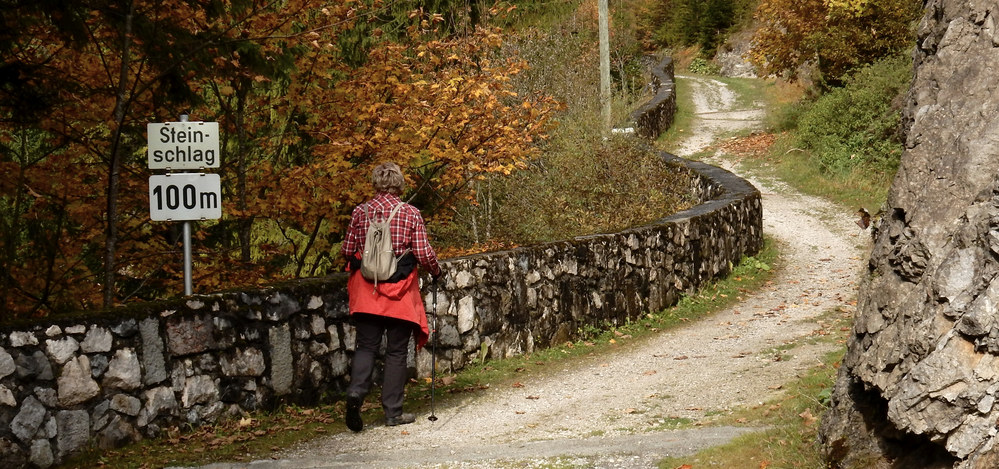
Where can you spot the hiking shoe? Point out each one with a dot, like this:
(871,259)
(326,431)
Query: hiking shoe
(354,421)
(400,420)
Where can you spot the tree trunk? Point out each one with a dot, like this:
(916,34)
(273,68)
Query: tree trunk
(114,165)
(245,226)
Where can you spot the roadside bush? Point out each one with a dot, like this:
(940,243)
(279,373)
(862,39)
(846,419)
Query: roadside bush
(856,126)
(702,66)
(581,183)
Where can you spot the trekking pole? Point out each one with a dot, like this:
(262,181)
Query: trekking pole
(433,359)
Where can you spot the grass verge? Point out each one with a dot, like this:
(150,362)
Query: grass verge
(792,421)
(792,418)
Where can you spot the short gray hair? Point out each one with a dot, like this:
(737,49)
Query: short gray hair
(387,177)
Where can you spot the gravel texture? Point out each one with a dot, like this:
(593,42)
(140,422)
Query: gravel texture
(612,411)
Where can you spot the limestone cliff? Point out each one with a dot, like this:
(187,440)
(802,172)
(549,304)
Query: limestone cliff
(918,385)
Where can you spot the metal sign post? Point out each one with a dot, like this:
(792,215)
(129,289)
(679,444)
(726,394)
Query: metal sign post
(188,283)
(184,196)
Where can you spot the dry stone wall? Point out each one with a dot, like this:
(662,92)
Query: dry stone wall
(920,379)
(656,116)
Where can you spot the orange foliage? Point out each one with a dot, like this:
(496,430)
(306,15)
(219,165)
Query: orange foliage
(300,132)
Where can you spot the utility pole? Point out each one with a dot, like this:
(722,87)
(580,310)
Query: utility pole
(605,84)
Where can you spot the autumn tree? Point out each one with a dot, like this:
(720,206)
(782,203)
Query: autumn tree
(442,108)
(301,128)
(834,36)
(101,70)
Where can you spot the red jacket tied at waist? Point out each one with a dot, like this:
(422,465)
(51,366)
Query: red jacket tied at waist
(400,300)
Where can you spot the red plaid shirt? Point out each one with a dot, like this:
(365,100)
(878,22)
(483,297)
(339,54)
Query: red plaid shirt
(408,230)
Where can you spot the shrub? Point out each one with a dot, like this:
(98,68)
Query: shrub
(580,184)
(703,67)
(857,125)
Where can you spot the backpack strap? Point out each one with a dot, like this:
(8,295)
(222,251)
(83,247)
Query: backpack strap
(394,211)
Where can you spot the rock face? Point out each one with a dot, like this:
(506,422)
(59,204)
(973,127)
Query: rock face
(918,384)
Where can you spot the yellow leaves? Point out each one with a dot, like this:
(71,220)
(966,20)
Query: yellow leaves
(851,7)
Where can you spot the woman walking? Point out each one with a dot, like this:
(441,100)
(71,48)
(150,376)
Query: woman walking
(391,307)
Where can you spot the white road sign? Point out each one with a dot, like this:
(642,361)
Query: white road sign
(185,196)
(183,145)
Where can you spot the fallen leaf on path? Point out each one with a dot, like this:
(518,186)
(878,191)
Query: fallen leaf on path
(807,417)
(649,372)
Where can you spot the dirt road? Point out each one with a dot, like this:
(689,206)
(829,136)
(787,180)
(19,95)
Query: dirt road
(611,412)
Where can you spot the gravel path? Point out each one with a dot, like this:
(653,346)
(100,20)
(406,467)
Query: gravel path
(612,411)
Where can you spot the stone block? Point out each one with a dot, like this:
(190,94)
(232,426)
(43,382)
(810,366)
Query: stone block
(47,396)
(73,431)
(28,420)
(60,351)
(101,414)
(466,314)
(119,432)
(7,365)
(126,404)
(152,352)
(317,324)
(246,362)
(99,364)
(187,336)
(76,385)
(126,328)
(159,401)
(282,362)
(98,340)
(22,339)
(41,454)
(34,366)
(199,389)
(124,371)
(7,397)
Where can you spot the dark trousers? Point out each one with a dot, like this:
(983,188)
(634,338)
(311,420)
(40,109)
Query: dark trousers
(370,328)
